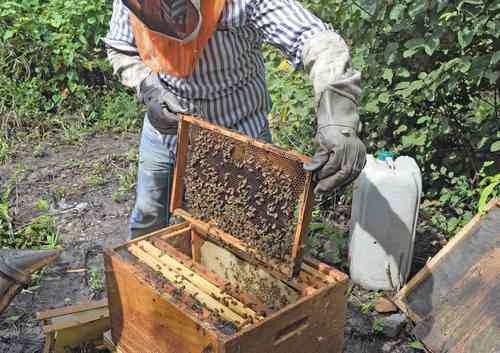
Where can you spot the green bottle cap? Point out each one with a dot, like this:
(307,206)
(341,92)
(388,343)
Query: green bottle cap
(383,155)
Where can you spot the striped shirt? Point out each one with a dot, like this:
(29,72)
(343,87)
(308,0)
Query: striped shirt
(228,86)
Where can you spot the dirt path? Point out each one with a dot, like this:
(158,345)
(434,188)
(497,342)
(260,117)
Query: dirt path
(78,183)
(88,190)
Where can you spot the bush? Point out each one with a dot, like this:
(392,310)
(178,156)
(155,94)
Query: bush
(52,61)
(431,74)
(430,68)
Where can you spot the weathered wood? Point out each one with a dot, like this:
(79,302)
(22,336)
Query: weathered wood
(146,312)
(171,275)
(313,324)
(144,315)
(180,165)
(47,314)
(200,282)
(72,326)
(196,244)
(303,223)
(454,300)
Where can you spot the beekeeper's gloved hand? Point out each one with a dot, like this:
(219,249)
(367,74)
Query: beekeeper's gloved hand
(340,155)
(163,106)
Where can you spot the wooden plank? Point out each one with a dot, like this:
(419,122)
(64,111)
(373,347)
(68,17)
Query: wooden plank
(312,324)
(71,309)
(187,286)
(200,282)
(196,244)
(146,315)
(73,326)
(180,164)
(324,277)
(76,320)
(426,271)
(326,269)
(454,300)
(303,223)
(163,233)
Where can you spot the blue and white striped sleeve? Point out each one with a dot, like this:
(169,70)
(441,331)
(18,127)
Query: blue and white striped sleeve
(120,35)
(287,25)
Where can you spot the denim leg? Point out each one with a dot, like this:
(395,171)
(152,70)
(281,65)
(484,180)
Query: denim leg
(154,184)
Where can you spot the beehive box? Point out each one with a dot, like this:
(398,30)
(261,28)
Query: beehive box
(210,285)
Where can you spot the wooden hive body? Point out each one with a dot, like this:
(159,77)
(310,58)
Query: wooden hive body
(195,288)
(150,314)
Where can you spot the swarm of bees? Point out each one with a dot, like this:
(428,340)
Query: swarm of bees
(236,187)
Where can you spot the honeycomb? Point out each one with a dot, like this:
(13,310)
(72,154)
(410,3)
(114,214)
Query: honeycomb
(251,193)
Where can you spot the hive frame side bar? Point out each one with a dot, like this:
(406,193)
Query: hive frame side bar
(302,222)
(180,164)
(187,286)
(246,298)
(200,282)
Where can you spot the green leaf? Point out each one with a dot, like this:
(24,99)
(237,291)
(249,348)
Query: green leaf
(417,8)
(396,12)
(8,35)
(400,129)
(495,57)
(414,139)
(495,147)
(388,75)
(431,45)
(465,37)
(417,345)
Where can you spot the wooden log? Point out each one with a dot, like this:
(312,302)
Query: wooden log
(187,286)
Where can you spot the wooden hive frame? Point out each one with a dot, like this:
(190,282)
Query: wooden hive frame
(210,230)
(149,316)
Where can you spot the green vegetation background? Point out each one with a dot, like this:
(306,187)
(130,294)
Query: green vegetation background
(431,87)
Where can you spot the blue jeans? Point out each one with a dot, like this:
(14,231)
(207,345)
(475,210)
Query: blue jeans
(154,182)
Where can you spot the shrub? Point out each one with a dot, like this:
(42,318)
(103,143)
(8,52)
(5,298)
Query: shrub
(431,74)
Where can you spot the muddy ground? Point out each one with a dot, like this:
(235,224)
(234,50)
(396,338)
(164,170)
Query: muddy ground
(88,187)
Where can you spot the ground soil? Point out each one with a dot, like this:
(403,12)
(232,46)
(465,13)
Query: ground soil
(79,180)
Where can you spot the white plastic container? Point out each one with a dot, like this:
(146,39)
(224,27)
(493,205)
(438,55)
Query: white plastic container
(385,207)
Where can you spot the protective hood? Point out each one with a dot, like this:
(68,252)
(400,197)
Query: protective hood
(171,34)
(179,20)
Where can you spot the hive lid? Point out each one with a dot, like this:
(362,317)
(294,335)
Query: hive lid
(251,196)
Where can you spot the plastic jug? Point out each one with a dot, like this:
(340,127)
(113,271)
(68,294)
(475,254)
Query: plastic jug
(384,214)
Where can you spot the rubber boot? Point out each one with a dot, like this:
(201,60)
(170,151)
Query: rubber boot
(16,267)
